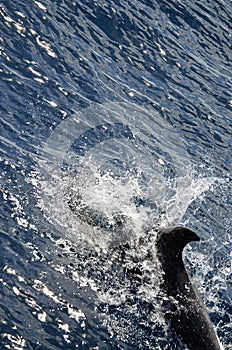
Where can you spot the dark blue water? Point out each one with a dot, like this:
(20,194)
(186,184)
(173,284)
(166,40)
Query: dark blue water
(115,117)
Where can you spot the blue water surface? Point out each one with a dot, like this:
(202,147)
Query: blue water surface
(128,103)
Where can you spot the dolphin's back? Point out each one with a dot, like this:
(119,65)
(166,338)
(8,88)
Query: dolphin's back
(184,307)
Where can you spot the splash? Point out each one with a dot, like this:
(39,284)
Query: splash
(106,176)
(116,165)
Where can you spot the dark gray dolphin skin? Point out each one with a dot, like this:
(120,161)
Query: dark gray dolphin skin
(183,306)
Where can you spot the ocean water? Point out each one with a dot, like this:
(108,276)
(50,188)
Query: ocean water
(116,117)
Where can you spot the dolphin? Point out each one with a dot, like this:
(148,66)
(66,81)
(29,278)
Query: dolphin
(183,307)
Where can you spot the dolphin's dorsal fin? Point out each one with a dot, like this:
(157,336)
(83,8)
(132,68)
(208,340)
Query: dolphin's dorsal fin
(182,305)
(171,241)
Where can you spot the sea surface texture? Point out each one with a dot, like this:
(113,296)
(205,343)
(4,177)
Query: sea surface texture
(115,118)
